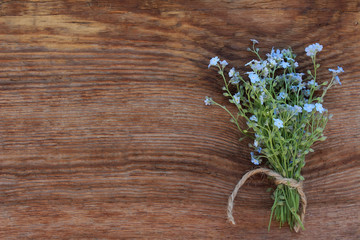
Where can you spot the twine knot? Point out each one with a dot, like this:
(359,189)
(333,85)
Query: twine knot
(278,180)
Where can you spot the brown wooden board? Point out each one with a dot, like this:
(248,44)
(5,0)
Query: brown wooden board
(104,133)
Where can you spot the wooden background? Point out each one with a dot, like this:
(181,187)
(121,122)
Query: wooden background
(104,134)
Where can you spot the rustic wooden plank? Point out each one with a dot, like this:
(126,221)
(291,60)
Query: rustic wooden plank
(103,131)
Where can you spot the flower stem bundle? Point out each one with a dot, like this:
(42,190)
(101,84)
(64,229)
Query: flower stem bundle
(284,115)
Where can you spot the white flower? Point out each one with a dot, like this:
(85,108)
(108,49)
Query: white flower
(208,100)
(278,123)
(312,49)
(256,143)
(254,41)
(213,61)
(319,107)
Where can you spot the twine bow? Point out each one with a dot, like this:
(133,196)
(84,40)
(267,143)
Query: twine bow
(278,180)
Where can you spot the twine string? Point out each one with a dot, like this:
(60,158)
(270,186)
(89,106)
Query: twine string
(278,180)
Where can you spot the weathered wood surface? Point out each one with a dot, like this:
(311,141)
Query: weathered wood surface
(103,131)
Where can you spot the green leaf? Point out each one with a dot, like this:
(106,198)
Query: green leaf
(323,138)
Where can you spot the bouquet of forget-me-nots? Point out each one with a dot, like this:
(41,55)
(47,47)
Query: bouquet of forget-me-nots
(284,115)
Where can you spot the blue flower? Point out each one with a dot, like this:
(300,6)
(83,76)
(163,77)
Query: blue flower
(284,64)
(223,63)
(262,96)
(275,56)
(208,100)
(250,63)
(286,52)
(282,95)
(256,143)
(253,118)
(213,61)
(232,72)
(235,76)
(337,79)
(301,86)
(235,80)
(276,111)
(254,160)
(278,123)
(308,107)
(307,93)
(297,109)
(312,49)
(272,62)
(337,71)
(319,107)
(253,77)
(237,98)
(312,82)
(257,65)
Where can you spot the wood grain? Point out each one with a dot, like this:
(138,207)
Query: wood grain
(103,131)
